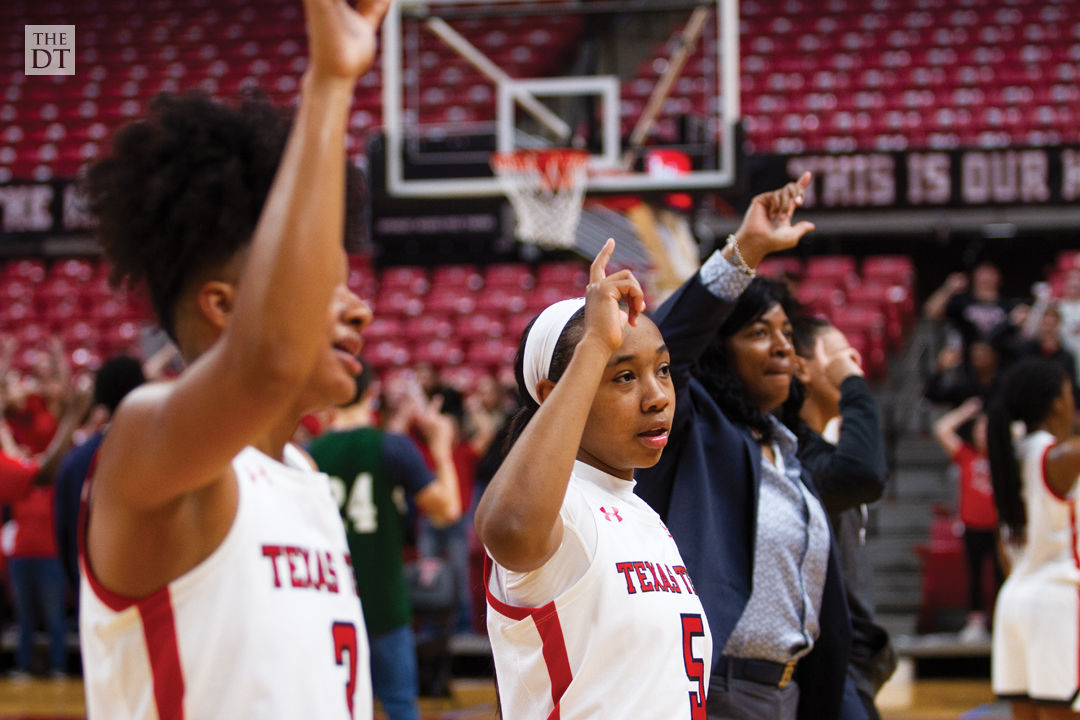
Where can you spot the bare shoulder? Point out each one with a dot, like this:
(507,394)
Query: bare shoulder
(132,417)
(1065,451)
(1063,464)
(146,453)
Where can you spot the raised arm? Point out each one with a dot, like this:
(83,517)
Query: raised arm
(689,319)
(75,406)
(518,515)
(945,429)
(853,472)
(172,438)
(441,499)
(934,307)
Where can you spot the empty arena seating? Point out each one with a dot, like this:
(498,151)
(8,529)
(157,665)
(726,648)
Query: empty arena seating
(69,299)
(839,75)
(872,303)
(128,51)
(843,75)
(466,320)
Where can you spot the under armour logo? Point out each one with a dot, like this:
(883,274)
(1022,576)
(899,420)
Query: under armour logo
(612,514)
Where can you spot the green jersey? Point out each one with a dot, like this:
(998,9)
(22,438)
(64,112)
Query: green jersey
(370,471)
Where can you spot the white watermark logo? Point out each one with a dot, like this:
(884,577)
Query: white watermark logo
(50,50)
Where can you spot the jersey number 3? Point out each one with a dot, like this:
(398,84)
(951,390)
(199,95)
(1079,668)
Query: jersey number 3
(345,642)
(692,627)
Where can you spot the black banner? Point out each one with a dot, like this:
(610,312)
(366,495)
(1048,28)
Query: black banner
(928,178)
(32,210)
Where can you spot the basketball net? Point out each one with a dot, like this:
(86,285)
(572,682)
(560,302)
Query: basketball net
(547,190)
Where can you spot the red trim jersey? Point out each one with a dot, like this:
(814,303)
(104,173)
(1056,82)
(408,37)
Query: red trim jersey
(1036,643)
(619,634)
(268,626)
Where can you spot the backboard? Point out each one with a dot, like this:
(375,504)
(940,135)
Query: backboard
(650,90)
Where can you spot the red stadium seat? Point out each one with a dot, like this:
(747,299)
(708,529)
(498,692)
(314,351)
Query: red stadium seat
(462,277)
(449,300)
(833,267)
(460,377)
(25,269)
(501,299)
(819,297)
(890,268)
(397,301)
(438,352)
(384,327)
(427,325)
(478,326)
(508,276)
(413,279)
(869,323)
(16,290)
(72,269)
(516,324)
(14,314)
(571,274)
(491,353)
(778,266)
(544,295)
(79,334)
(386,354)
(884,298)
(120,338)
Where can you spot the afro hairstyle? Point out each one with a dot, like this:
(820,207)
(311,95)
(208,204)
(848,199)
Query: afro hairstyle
(183,188)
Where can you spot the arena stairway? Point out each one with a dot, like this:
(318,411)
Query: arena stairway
(907,589)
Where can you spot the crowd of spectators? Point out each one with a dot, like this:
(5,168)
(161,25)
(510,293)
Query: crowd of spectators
(984,332)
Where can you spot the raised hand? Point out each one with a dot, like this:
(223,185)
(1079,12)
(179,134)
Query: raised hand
(342,39)
(843,364)
(766,227)
(603,316)
(437,428)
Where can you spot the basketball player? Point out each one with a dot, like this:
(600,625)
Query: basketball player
(591,612)
(1037,616)
(216,577)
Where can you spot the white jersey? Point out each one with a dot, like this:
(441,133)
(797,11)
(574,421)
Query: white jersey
(268,626)
(626,639)
(1036,643)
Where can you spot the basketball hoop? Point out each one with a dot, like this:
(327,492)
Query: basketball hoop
(547,190)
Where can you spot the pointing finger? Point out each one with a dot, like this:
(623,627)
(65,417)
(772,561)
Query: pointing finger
(598,269)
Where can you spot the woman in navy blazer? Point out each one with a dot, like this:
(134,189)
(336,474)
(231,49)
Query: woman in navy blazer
(708,482)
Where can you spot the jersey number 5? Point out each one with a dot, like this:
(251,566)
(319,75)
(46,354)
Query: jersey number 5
(692,627)
(345,642)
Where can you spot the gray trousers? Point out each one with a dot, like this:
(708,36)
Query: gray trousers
(735,699)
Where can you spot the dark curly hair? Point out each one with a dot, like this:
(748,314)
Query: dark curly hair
(183,189)
(1027,393)
(714,369)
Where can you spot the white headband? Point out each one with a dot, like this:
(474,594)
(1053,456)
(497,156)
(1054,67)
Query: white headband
(543,336)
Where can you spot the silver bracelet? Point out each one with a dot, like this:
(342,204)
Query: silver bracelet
(737,259)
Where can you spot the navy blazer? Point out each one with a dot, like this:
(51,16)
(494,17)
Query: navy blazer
(705,487)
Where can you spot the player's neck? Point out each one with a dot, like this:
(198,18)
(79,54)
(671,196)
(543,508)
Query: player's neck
(272,444)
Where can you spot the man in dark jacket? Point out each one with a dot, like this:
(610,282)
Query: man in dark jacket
(849,474)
